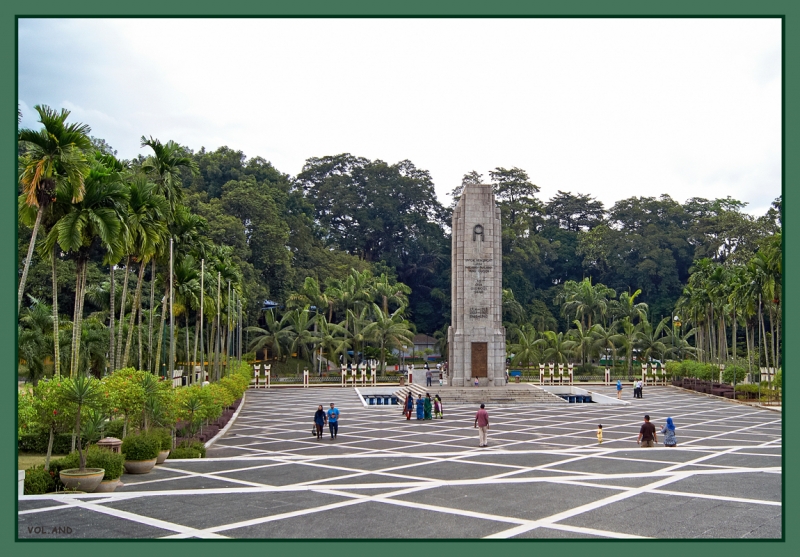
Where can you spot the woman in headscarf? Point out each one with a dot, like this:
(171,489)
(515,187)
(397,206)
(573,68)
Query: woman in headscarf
(428,406)
(668,431)
(420,407)
(409,405)
(319,421)
(437,407)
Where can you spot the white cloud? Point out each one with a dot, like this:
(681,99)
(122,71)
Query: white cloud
(614,108)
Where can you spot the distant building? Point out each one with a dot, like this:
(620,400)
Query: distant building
(421,343)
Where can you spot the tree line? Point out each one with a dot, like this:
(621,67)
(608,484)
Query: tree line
(94,236)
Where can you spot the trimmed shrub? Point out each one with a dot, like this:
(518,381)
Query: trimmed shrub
(36,442)
(164,438)
(38,481)
(734,373)
(143,446)
(188,450)
(111,462)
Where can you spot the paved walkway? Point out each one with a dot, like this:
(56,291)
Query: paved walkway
(542,476)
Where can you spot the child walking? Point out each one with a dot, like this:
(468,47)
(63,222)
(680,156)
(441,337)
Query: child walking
(600,434)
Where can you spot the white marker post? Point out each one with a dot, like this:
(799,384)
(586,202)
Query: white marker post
(541,374)
(373,378)
(552,372)
(570,366)
(560,374)
(305,378)
(608,377)
(255,374)
(267,378)
(644,373)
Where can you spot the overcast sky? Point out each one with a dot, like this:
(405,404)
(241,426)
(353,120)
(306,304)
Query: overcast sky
(609,107)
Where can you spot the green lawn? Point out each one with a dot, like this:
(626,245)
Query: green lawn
(29,460)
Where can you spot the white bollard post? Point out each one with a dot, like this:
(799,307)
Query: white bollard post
(267,376)
(255,374)
(305,378)
(541,374)
(560,374)
(552,372)
(644,373)
(373,378)
(570,366)
(608,377)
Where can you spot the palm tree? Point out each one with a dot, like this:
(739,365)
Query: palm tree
(604,338)
(332,339)
(387,291)
(526,348)
(81,391)
(187,290)
(556,347)
(628,340)
(165,164)
(97,216)
(513,312)
(35,338)
(274,337)
(584,338)
(389,331)
(54,159)
(651,340)
(585,300)
(301,334)
(147,231)
(626,307)
(442,341)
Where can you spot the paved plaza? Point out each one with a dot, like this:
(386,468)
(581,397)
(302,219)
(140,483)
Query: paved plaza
(543,475)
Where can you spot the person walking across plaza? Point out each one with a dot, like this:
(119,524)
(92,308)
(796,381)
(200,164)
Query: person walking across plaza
(333,421)
(428,376)
(320,420)
(428,406)
(437,407)
(482,423)
(647,433)
(600,434)
(668,431)
(619,389)
(409,405)
(420,408)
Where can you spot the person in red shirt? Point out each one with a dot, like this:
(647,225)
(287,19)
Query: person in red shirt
(482,423)
(647,433)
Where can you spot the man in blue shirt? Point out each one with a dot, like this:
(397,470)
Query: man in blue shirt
(333,421)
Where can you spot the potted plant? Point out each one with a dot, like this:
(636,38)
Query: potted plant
(141,452)
(165,441)
(111,462)
(81,391)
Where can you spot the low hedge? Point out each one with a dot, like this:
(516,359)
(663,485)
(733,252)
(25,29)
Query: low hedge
(142,446)
(36,442)
(38,481)
(188,450)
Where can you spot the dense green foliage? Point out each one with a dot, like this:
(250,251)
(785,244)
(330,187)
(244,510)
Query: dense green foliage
(353,256)
(141,446)
(188,450)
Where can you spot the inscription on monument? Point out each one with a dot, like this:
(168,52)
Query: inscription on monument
(478,313)
(478,269)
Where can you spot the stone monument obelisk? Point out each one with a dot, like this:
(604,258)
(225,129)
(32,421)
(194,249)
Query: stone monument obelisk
(476,335)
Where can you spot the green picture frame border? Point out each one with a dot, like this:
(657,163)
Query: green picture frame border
(787,10)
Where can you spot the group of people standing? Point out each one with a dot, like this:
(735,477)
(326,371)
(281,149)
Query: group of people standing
(637,388)
(427,408)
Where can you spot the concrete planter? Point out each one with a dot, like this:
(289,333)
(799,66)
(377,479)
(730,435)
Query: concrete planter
(107,486)
(140,466)
(162,456)
(85,480)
